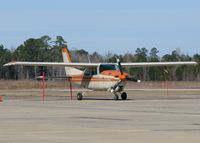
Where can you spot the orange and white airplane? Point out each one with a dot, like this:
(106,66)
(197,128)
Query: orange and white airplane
(99,76)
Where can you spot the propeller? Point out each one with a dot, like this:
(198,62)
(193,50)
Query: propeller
(121,71)
(120,66)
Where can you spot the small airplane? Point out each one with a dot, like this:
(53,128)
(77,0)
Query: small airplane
(99,76)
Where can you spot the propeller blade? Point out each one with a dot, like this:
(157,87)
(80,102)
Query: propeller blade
(119,65)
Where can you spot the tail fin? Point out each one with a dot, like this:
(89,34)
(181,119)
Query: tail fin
(70,71)
(66,56)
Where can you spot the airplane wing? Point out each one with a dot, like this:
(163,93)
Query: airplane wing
(151,64)
(53,64)
(81,65)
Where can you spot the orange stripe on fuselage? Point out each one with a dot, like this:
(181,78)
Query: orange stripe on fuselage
(82,78)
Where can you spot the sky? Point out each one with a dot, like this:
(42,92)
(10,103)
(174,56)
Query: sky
(118,26)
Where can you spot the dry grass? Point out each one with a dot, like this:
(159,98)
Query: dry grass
(165,85)
(26,84)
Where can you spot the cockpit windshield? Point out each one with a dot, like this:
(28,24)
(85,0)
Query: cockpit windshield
(104,67)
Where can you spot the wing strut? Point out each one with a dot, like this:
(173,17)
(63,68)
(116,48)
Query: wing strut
(70,86)
(43,78)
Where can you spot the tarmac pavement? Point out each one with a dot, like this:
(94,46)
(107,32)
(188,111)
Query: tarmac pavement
(97,120)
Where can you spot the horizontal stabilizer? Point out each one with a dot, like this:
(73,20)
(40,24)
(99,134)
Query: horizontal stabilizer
(64,77)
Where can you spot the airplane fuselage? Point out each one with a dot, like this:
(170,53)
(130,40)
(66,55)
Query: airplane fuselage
(96,82)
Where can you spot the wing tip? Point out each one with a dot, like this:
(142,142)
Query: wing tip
(10,64)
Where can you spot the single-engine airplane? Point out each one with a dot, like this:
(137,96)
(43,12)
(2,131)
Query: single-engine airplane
(99,76)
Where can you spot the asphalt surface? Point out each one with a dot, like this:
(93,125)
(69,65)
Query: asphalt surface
(97,120)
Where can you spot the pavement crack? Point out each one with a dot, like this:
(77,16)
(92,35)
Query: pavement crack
(101,118)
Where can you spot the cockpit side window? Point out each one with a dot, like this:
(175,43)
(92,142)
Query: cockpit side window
(90,71)
(104,67)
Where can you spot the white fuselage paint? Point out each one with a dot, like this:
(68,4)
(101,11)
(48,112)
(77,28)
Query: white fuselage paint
(97,82)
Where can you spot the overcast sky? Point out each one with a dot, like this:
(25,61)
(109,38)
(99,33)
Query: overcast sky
(118,26)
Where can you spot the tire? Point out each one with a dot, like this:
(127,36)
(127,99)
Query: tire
(79,96)
(124,96)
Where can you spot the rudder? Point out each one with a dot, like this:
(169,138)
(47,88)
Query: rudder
(70,71)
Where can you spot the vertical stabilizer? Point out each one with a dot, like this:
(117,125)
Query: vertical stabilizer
(70,71)
(66,56)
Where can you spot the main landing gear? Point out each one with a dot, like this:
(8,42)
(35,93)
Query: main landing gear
(116,97)
(123,96)
(79,96)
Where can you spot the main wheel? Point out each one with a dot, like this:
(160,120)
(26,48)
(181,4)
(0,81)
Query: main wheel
(124,96)
(116,97)
(79,96)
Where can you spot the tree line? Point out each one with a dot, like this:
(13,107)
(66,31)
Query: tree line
(45,49)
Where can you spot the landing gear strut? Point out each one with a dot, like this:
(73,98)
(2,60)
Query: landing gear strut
(116,97)
(79,96)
